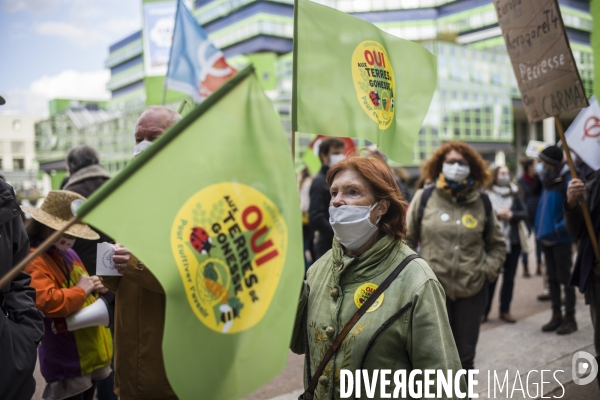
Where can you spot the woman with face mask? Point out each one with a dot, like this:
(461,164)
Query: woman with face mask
(406,326)
(511,211)
(459,236)
(70,362)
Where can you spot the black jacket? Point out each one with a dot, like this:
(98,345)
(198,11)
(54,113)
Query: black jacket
(21,331)
(520,213)
(586,268)
(531,195)
(85,182)
(318,213)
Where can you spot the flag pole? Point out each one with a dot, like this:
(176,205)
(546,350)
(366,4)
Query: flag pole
(134,166)
(294,146)
(164,99)
(12,274)
(584,207)
(183,103)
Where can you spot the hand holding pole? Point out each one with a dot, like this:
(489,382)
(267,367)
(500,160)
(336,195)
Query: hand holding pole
(584,207)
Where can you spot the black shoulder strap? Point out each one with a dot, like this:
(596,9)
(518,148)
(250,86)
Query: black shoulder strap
(487,207)
(424,199)
(309,392)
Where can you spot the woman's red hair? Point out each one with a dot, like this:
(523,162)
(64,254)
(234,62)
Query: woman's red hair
(383,186)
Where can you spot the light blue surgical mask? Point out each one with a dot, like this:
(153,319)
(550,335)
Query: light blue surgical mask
(140,147)
(539,168)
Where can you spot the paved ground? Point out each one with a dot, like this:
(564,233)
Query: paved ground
(514,347)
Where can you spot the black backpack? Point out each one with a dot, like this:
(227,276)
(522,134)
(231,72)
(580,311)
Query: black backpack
(487,206)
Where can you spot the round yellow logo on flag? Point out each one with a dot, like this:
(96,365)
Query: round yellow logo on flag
(365,291)
(469,221)
(229,242)
(374,82)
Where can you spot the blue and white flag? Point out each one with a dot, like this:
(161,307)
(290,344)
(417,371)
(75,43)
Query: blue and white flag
(196,66)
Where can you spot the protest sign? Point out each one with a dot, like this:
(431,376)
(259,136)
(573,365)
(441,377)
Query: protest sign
(583,136)
(541,57)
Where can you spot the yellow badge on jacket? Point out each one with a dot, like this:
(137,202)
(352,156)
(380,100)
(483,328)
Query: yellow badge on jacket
(469,221)
(365,291)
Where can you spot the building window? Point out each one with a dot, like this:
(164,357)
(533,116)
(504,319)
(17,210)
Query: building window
(16,124)
(18,164)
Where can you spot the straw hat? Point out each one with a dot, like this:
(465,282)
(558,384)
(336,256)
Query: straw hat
(56,213)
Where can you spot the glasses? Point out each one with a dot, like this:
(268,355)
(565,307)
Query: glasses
(459,162)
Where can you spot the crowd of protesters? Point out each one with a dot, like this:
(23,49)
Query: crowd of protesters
(441,249)
(473,222)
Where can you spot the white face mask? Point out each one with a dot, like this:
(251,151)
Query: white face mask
(456,172)
(140,147)
(503,180)
(335,158)
(352,225)
(64,243)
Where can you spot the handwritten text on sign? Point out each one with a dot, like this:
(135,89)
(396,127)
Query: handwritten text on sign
(541,57)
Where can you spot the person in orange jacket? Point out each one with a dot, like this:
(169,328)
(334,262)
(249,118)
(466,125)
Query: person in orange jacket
(70,361)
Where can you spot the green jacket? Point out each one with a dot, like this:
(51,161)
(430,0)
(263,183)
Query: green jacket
(452,242)
(420,338)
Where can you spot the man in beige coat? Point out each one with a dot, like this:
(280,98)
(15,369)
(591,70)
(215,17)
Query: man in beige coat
(140,300)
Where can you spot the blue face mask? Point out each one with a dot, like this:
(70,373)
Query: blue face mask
(539,168)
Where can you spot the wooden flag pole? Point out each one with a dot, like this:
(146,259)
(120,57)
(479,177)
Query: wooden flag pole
(584,207)
(12,274)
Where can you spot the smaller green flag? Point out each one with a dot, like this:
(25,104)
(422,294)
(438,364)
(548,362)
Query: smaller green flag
(312,161)
(211,208)
(352,79)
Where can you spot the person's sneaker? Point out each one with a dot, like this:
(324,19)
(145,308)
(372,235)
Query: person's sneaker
(554,323)
(568,325)
(545,296)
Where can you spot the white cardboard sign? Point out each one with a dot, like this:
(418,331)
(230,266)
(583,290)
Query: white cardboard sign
(104,261)
(534,147)
(583,136)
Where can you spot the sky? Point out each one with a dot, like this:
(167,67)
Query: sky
(56,49)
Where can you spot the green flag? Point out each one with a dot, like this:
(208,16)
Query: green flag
(352,79)
(212,209)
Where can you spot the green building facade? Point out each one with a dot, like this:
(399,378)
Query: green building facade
(477,99)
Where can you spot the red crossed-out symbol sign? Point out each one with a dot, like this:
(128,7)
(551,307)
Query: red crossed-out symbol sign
(591,128)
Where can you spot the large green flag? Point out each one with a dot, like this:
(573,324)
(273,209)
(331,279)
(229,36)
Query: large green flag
(352,79)
(212,209)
